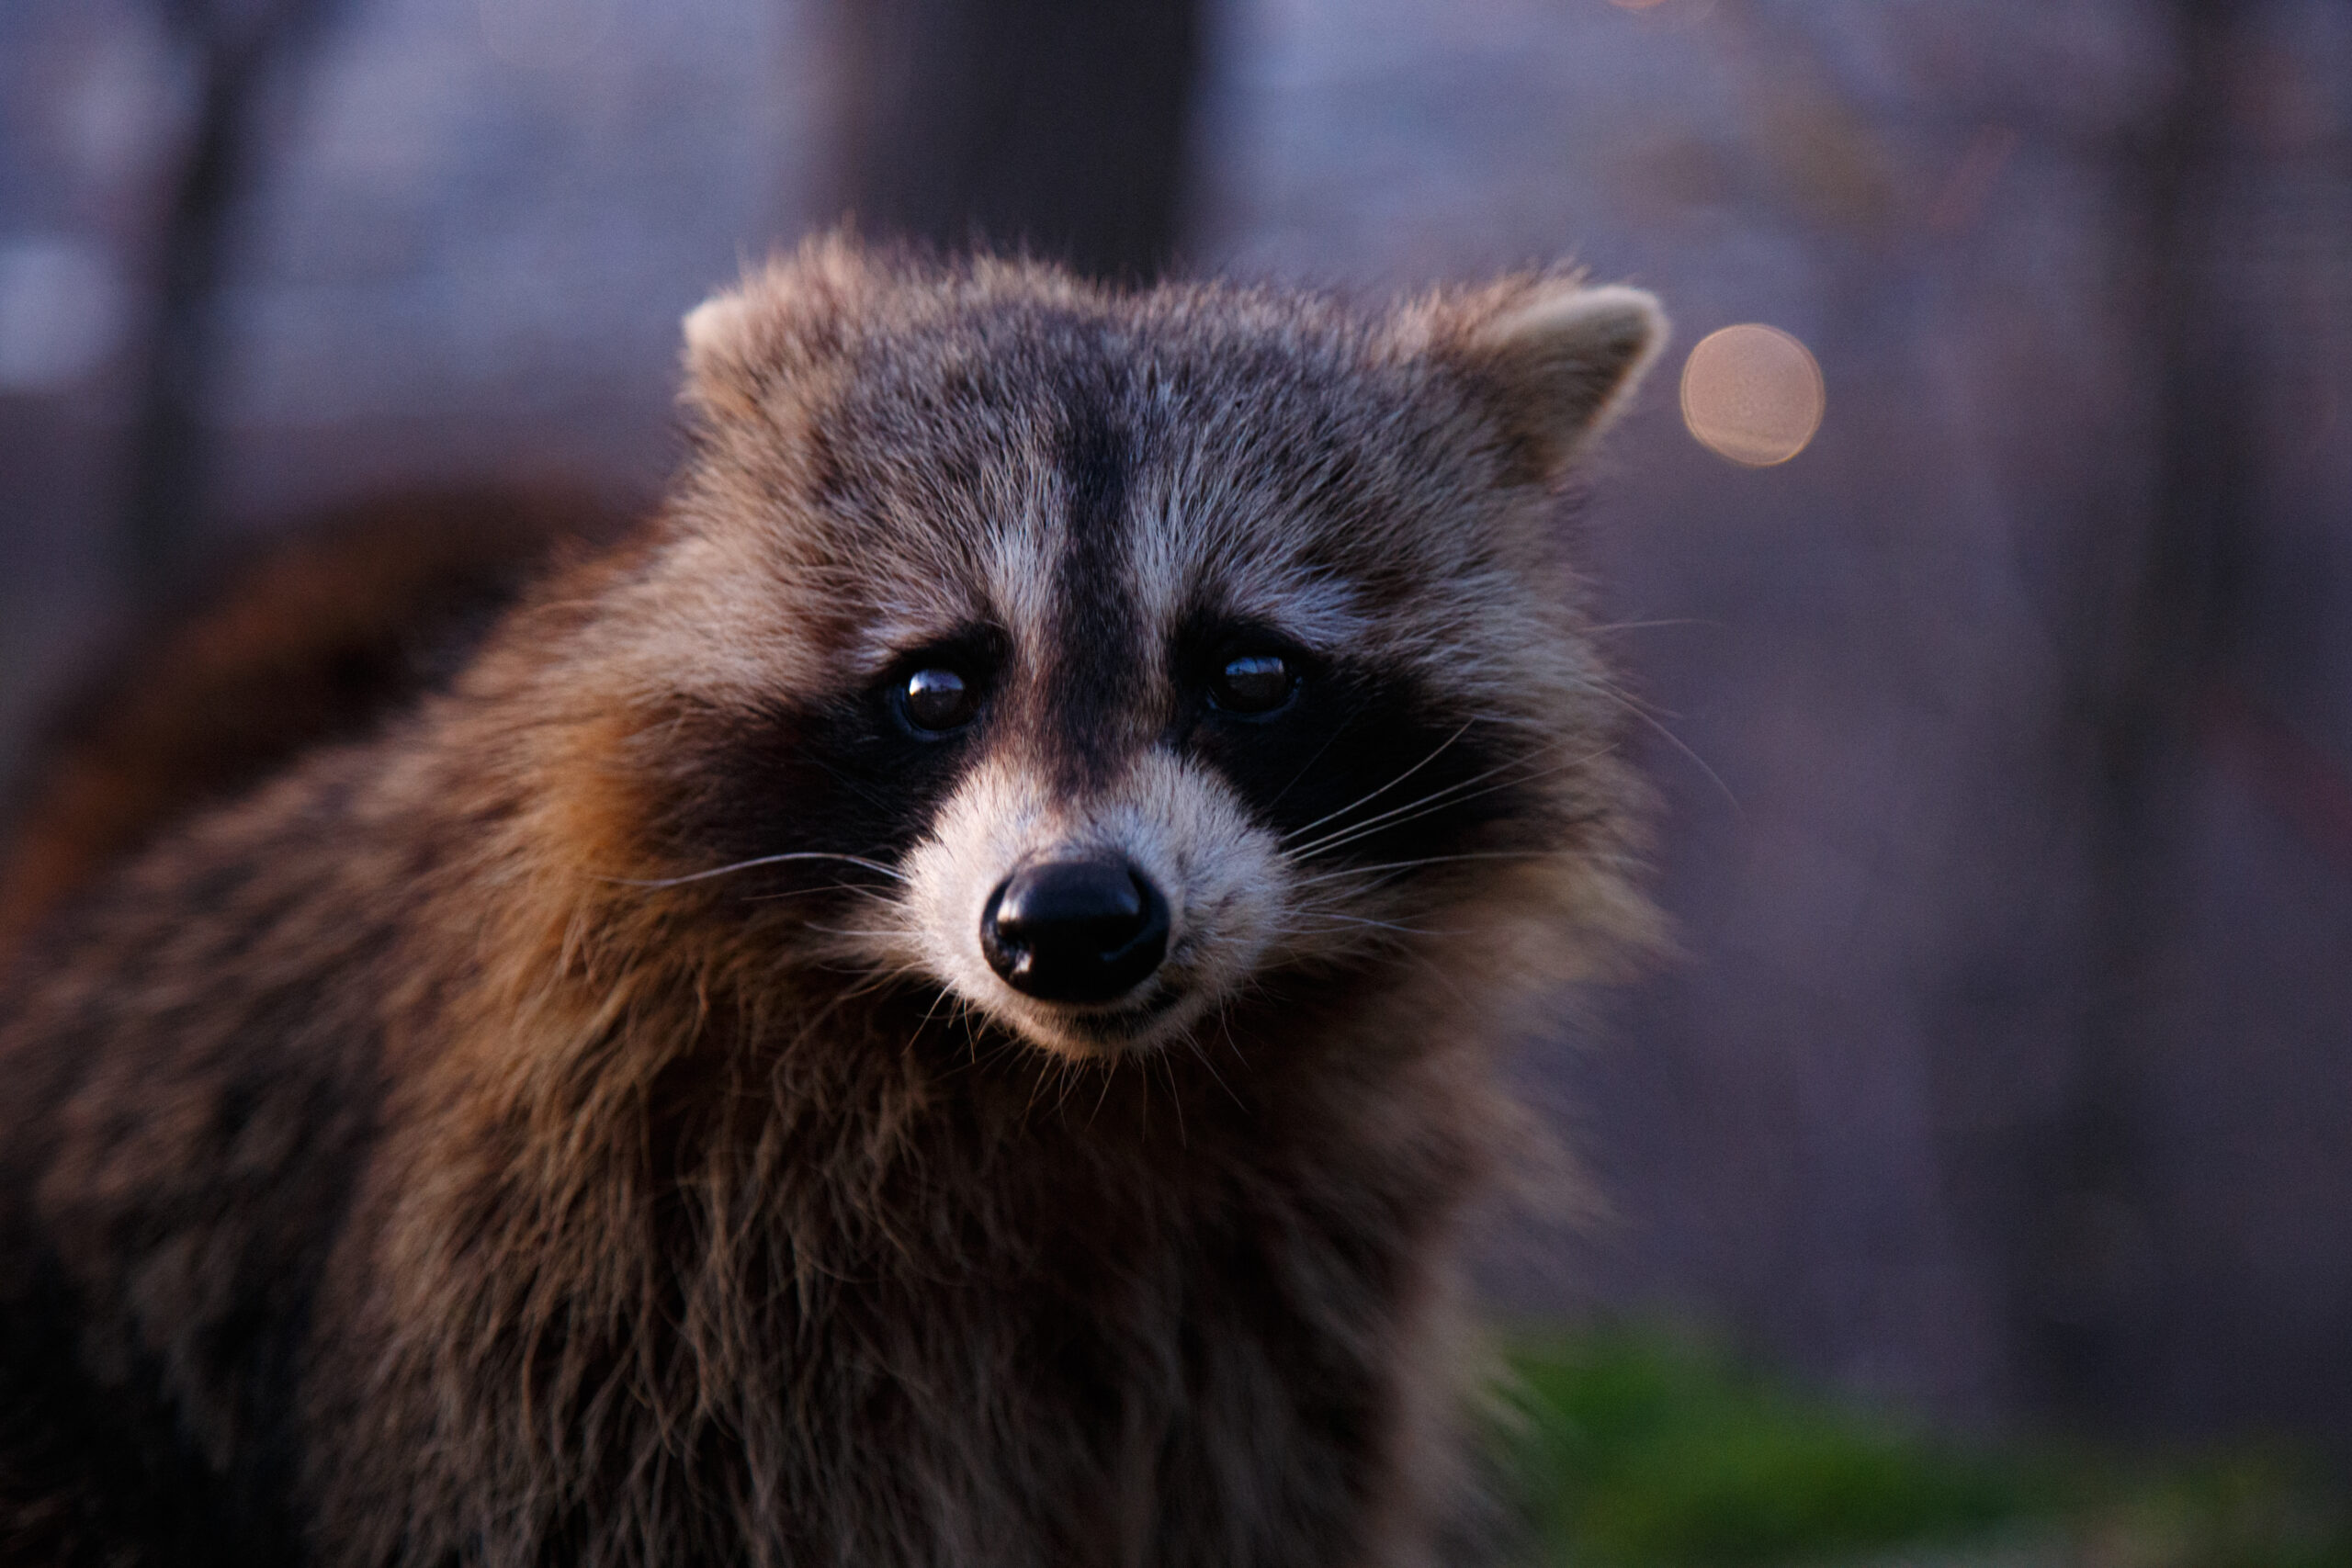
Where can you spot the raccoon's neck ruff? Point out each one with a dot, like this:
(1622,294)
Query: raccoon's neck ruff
(911,1274)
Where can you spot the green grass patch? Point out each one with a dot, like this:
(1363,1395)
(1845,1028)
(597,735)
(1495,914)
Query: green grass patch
(1640,1450)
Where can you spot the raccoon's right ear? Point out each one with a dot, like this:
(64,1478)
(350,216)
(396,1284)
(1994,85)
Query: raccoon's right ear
(779,324)
(1557,361)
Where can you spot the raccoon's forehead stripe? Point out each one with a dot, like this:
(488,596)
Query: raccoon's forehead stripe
(1094,661)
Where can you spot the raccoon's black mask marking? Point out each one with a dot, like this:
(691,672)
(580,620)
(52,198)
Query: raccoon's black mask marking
(1360,767)
(845,776)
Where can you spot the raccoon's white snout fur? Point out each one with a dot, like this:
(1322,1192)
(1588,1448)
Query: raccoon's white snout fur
(1221,874)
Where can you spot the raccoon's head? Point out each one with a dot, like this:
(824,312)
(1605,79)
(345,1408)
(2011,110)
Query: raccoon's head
(1103,659)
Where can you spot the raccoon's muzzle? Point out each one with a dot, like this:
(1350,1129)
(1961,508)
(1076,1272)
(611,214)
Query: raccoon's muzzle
(1085,930)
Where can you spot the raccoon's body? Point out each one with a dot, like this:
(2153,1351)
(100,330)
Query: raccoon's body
(933,1006)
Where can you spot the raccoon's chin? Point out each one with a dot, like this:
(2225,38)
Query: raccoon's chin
(1108,1032)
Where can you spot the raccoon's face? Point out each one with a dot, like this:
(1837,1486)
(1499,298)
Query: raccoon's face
(1101,660)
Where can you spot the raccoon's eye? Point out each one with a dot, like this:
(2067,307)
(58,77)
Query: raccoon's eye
(936,700)
(1253,684)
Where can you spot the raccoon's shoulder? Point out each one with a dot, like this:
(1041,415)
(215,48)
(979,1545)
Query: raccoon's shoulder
(317,637)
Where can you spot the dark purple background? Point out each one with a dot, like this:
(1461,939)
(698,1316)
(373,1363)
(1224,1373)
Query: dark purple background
(2008,1069)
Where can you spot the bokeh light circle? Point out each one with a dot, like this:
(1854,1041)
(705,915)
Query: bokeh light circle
(1753,394)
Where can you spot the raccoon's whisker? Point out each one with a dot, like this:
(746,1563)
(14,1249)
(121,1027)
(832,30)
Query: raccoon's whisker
(1242,1065)
(1638,710)
(1372,796)
(1334,925)
(1192,1043)
(807,892)
(891,871)
(932,1011)
(1052,1074)
(1103,1097)
(945,999)
(973,1019)
(1646,625)
(1438,799)
(1183,1139)
(1342,834)
(1377,925)
(1394,865)
(1066,1079)
(1036,1087)
(1304,767)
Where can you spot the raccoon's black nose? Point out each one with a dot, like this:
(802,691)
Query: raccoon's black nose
(1080,930)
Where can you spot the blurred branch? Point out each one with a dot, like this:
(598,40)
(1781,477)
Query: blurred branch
(1810,130)
(233,49)
(1058,125)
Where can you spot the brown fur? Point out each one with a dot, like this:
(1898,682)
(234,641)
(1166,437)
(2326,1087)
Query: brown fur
(312,639)
(396,1174)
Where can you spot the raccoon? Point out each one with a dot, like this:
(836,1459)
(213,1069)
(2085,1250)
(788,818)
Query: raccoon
(936,1003)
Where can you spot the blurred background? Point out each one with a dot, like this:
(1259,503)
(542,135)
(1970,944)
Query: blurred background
(1995,607)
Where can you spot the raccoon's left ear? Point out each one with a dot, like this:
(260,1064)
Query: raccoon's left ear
(785,320)
(1557,363)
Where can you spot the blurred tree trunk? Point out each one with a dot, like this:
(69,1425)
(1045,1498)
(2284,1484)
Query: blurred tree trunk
(233,49)
(2096,1272)
(1058,125)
